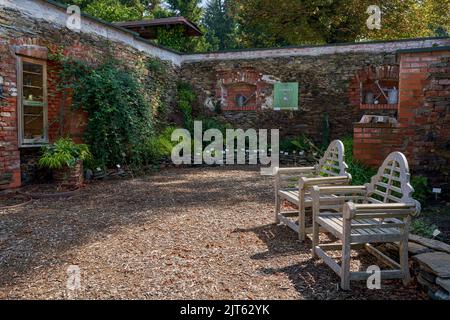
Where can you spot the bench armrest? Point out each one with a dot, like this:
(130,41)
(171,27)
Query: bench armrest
(296,170)
(381,210)
(321,181)
(340,194)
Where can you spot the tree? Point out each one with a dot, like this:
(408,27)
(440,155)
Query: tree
(219,25)
(190,9)
(175,37)
(266,23)
(117,10)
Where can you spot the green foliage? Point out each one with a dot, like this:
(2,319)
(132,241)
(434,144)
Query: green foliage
(160,146)
(158,89)
(119,117)
(186,98)
(175,38)
(214,123)
(361,174)
(423,228)
(422,192)
(220,26)
(268,23)
(189,9)
(64,152)
(298,143)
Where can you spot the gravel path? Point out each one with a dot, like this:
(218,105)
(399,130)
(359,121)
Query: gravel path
(203,233)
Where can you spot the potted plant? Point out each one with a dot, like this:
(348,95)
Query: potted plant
(65,158)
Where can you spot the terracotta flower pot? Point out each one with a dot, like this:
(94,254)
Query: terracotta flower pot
(69,176)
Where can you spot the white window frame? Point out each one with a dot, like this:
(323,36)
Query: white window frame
(20,107)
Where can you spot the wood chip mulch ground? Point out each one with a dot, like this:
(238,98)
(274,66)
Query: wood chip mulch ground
(199,233)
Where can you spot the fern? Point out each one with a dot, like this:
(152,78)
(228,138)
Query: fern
(64,152)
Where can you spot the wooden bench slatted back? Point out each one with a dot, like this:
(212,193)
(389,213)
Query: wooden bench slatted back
(392,182)
(332,163)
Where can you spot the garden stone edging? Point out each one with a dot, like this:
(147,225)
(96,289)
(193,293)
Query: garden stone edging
(432,267)
(430,243)
(430,261)
(435,262)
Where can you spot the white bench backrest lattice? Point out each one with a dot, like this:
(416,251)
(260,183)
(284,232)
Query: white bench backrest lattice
(392,182)
(332,163)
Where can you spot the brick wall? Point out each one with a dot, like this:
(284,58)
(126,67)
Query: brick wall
(373,142)
(38,38)
(423,130)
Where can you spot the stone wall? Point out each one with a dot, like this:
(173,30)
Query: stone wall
(328,84)
(26,35)
(323,90)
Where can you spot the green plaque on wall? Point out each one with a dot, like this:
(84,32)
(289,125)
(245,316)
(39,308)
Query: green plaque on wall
(285,96)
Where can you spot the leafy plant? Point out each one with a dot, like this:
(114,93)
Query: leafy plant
(423,228)
(160,146)
(119,116)
(64,152)
(186,98)
(422,191)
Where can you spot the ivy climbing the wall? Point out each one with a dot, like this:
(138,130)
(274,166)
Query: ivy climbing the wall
(119,116)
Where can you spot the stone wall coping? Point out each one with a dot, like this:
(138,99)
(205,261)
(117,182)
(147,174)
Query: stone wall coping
(392,46)
(375,125)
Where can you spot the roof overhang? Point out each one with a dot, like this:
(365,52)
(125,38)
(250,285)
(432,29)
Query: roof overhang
(148,28)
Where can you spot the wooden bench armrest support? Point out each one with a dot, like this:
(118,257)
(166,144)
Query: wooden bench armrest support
(380,210)
(324,190)
(309,182)
(297,170)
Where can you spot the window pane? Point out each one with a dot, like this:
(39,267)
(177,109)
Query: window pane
(33,122)
(33,101)
(33,90)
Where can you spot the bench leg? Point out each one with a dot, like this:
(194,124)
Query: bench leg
(346,255)
(301,216)
(315,237)
(277,208)
(403,253)
(301,225)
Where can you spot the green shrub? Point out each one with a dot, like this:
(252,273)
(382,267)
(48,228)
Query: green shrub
(298,143)
(159,147)
(186,98)
(422,228)
(422,191)
(64,152)
(119,116)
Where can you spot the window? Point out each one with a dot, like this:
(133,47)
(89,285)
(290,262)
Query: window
(32,84)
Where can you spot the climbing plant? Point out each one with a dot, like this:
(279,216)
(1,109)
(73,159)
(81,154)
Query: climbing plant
(186,98)
(119,116)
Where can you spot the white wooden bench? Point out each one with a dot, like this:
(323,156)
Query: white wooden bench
(377,212)
(293,185)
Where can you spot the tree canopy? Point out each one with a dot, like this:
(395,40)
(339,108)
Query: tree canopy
(229,24)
